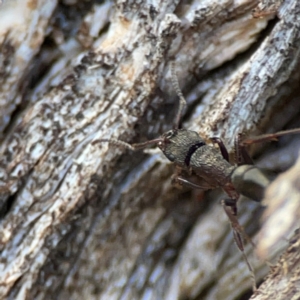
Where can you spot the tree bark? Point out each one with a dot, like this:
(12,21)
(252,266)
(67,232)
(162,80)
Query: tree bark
(82,219)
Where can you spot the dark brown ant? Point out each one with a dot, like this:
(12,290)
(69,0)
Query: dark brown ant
(203,166)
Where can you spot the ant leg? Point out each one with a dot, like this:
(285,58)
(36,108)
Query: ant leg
(229,206)
(241,155)
(183,178)
(230,209)
(188,183)
(222,147)
(269,136)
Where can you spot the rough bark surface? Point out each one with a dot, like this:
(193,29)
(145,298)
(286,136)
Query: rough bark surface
(81,219)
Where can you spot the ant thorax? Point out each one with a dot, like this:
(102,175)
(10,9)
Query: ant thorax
(186,149)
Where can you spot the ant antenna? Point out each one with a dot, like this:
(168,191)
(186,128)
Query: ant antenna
(115,142)
(138,146)
(182,102)
(132,147)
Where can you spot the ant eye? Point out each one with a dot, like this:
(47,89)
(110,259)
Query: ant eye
(169,134)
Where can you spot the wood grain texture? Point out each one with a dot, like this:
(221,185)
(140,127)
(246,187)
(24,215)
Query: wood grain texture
(85,220)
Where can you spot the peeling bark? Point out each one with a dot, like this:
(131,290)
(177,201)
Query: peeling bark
(282,281)
(86,220)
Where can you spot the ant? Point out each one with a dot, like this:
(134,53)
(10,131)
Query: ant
(204,166)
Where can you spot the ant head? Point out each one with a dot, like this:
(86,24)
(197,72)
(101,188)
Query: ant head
(176,144)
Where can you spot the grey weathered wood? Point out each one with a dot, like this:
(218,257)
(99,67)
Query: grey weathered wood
(82,219)
(282,281)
